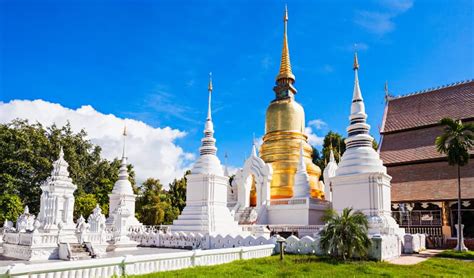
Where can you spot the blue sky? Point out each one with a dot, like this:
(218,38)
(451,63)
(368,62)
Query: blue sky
(149,60)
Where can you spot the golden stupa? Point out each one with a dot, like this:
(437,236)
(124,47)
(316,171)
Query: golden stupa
(284,131)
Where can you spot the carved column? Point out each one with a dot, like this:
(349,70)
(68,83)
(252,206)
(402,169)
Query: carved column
(445,211)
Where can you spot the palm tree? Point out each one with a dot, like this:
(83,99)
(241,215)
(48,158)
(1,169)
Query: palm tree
(455,142)
(345,235)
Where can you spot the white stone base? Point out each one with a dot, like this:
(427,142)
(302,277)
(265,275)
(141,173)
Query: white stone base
(29,253)
(306,212)
(124,243)
(195,218)
(385,247)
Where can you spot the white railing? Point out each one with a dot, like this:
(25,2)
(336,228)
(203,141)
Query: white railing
(193,241)
(135,265)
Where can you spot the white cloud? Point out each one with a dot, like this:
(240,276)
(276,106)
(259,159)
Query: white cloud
(152,151)
(399,6)
(382,22)
(317,123)
(313,138)
(375,22)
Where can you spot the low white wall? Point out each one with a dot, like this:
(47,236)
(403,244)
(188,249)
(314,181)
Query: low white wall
(196,241)
(139,264)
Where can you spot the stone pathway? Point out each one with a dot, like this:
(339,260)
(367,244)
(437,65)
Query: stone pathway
(409,259)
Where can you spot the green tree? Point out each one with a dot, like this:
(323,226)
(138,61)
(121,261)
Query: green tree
(84,205)
(177,192)
(456,142)
(151,202)
(10,207)
(345,236)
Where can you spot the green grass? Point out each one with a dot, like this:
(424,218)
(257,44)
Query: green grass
(313,266)
(468,255)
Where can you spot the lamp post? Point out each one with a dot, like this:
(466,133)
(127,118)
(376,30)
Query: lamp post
(280,242)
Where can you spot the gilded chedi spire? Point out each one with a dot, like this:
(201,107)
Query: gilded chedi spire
(285,78)
(359,156)
(208,163)
(285,64)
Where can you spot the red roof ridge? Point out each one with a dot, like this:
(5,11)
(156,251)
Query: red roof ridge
(432,89)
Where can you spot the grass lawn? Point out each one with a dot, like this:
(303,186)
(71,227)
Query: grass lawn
(313,266)
(468,255)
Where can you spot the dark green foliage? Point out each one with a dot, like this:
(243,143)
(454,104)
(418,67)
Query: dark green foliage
(345,235)
(10,207)
(177,192)
(84,205)
(456,141)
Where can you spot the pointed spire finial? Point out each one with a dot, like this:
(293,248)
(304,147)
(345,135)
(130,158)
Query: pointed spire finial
(61,153)
(356,62)
(387,93)
(209,88)
(124,134)
(285,64)
(254,149)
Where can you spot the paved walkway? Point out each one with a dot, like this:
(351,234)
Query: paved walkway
(409,259)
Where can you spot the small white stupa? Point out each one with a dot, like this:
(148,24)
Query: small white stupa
(122,195)
(361,181)
(206,209)
(302,186)
(329,172)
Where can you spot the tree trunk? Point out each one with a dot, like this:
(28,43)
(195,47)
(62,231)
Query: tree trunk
(459,210)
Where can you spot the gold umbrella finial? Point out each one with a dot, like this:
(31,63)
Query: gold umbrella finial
(356,62)
(209,86)
(285,65)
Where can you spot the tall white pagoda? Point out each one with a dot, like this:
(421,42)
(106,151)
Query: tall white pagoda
(361,181)
(206,209)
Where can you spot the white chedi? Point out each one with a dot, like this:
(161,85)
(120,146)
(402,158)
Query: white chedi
(57,198)
(302,186)
(206,209)
(329,172)
(361,180)
(122,192)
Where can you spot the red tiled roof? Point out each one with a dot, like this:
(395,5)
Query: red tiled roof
(430,181)
(411,145)
(427,108)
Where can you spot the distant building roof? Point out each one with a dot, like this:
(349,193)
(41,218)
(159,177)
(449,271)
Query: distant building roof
(427,107)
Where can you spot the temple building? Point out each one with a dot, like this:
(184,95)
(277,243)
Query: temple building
(424,186)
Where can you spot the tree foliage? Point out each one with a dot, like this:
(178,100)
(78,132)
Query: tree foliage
(456,141)
(10,207)
(345,236)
